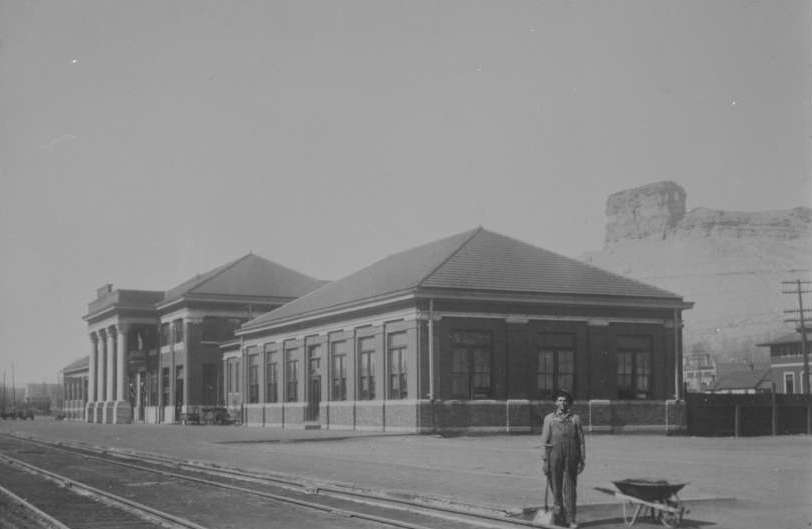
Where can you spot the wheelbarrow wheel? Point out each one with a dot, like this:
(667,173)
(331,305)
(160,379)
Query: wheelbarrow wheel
(672,519)
(631,511)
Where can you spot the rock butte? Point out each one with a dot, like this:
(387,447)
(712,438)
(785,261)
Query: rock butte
(730,263)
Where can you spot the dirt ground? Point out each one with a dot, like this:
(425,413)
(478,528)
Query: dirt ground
(731,482)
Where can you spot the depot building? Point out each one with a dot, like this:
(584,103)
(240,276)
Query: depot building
(472,332)
(155,355)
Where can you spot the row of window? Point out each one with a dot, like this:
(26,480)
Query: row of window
(397,356)
(213,329)
(789,349)
(472,353)
(789,382)
(470,372)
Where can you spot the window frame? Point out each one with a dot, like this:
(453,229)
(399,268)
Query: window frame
(166,390)
(366,368)
(252,361)
(291,378)
(177,331)
(789,375)
(271,375)
(470,374)
(556,374)
(397,359)
(632,390)
(338,373)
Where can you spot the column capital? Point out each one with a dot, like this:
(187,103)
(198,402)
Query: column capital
(102,333)
(94,338)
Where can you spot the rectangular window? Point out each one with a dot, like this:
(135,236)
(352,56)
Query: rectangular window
(338,368)
(642,373)
(233,375)
(179,386)
(556,363)
(164,334)
(789,383)
(545,373)
(165,386)
(396,351)
(177,330)
(253,378)
(471,359)
(634,372)
(271,376)
(366,368)
(292,370)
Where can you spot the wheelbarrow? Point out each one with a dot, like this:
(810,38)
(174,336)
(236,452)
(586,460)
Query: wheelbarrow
(658,497)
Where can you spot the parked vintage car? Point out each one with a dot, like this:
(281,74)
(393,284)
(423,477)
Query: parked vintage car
(22,414)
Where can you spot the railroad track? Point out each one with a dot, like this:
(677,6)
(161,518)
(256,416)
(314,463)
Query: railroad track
(50,497)
(362,505)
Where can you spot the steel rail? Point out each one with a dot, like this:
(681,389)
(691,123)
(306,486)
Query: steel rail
(144,512)
(42,516)
(449,513)
(301,503)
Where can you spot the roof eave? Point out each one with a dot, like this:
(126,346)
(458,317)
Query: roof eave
(223,298)
(541,297)
(112,309)
(328,311)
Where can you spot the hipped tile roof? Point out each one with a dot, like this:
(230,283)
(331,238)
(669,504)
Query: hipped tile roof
(478,260)
(250,275)
(742,376)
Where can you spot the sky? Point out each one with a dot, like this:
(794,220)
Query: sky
(143,142)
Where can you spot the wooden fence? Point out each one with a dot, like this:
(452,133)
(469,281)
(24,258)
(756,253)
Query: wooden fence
(714,414)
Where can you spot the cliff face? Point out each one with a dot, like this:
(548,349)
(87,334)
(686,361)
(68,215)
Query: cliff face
(731,264)
(657,211)
(781,225)
(647,212)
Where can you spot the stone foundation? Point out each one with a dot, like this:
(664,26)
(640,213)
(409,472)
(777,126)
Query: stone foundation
(122,412)
(481,416)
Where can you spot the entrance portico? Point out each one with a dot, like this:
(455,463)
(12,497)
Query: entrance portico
(120,324)
(107,381)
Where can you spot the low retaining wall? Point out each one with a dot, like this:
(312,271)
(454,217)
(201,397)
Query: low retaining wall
(74,410)
(478,416)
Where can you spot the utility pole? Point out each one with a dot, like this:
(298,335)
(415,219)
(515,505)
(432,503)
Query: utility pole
(800,287)
(13,389)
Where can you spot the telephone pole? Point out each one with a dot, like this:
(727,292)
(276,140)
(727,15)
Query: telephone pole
(13,389)
(800,289)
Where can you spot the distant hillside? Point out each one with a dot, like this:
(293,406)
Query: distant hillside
(731,264)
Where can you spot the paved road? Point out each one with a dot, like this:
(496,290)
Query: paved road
(770,478)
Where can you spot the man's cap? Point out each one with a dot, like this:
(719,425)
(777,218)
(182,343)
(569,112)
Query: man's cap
(562,393)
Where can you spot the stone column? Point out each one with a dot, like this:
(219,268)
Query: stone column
(91,381)
(159,403)
(121,361)
(101,376)
(111,360)
(189,324)
(172,366)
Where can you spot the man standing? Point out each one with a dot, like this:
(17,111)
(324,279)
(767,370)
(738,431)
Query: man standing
(564,456)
